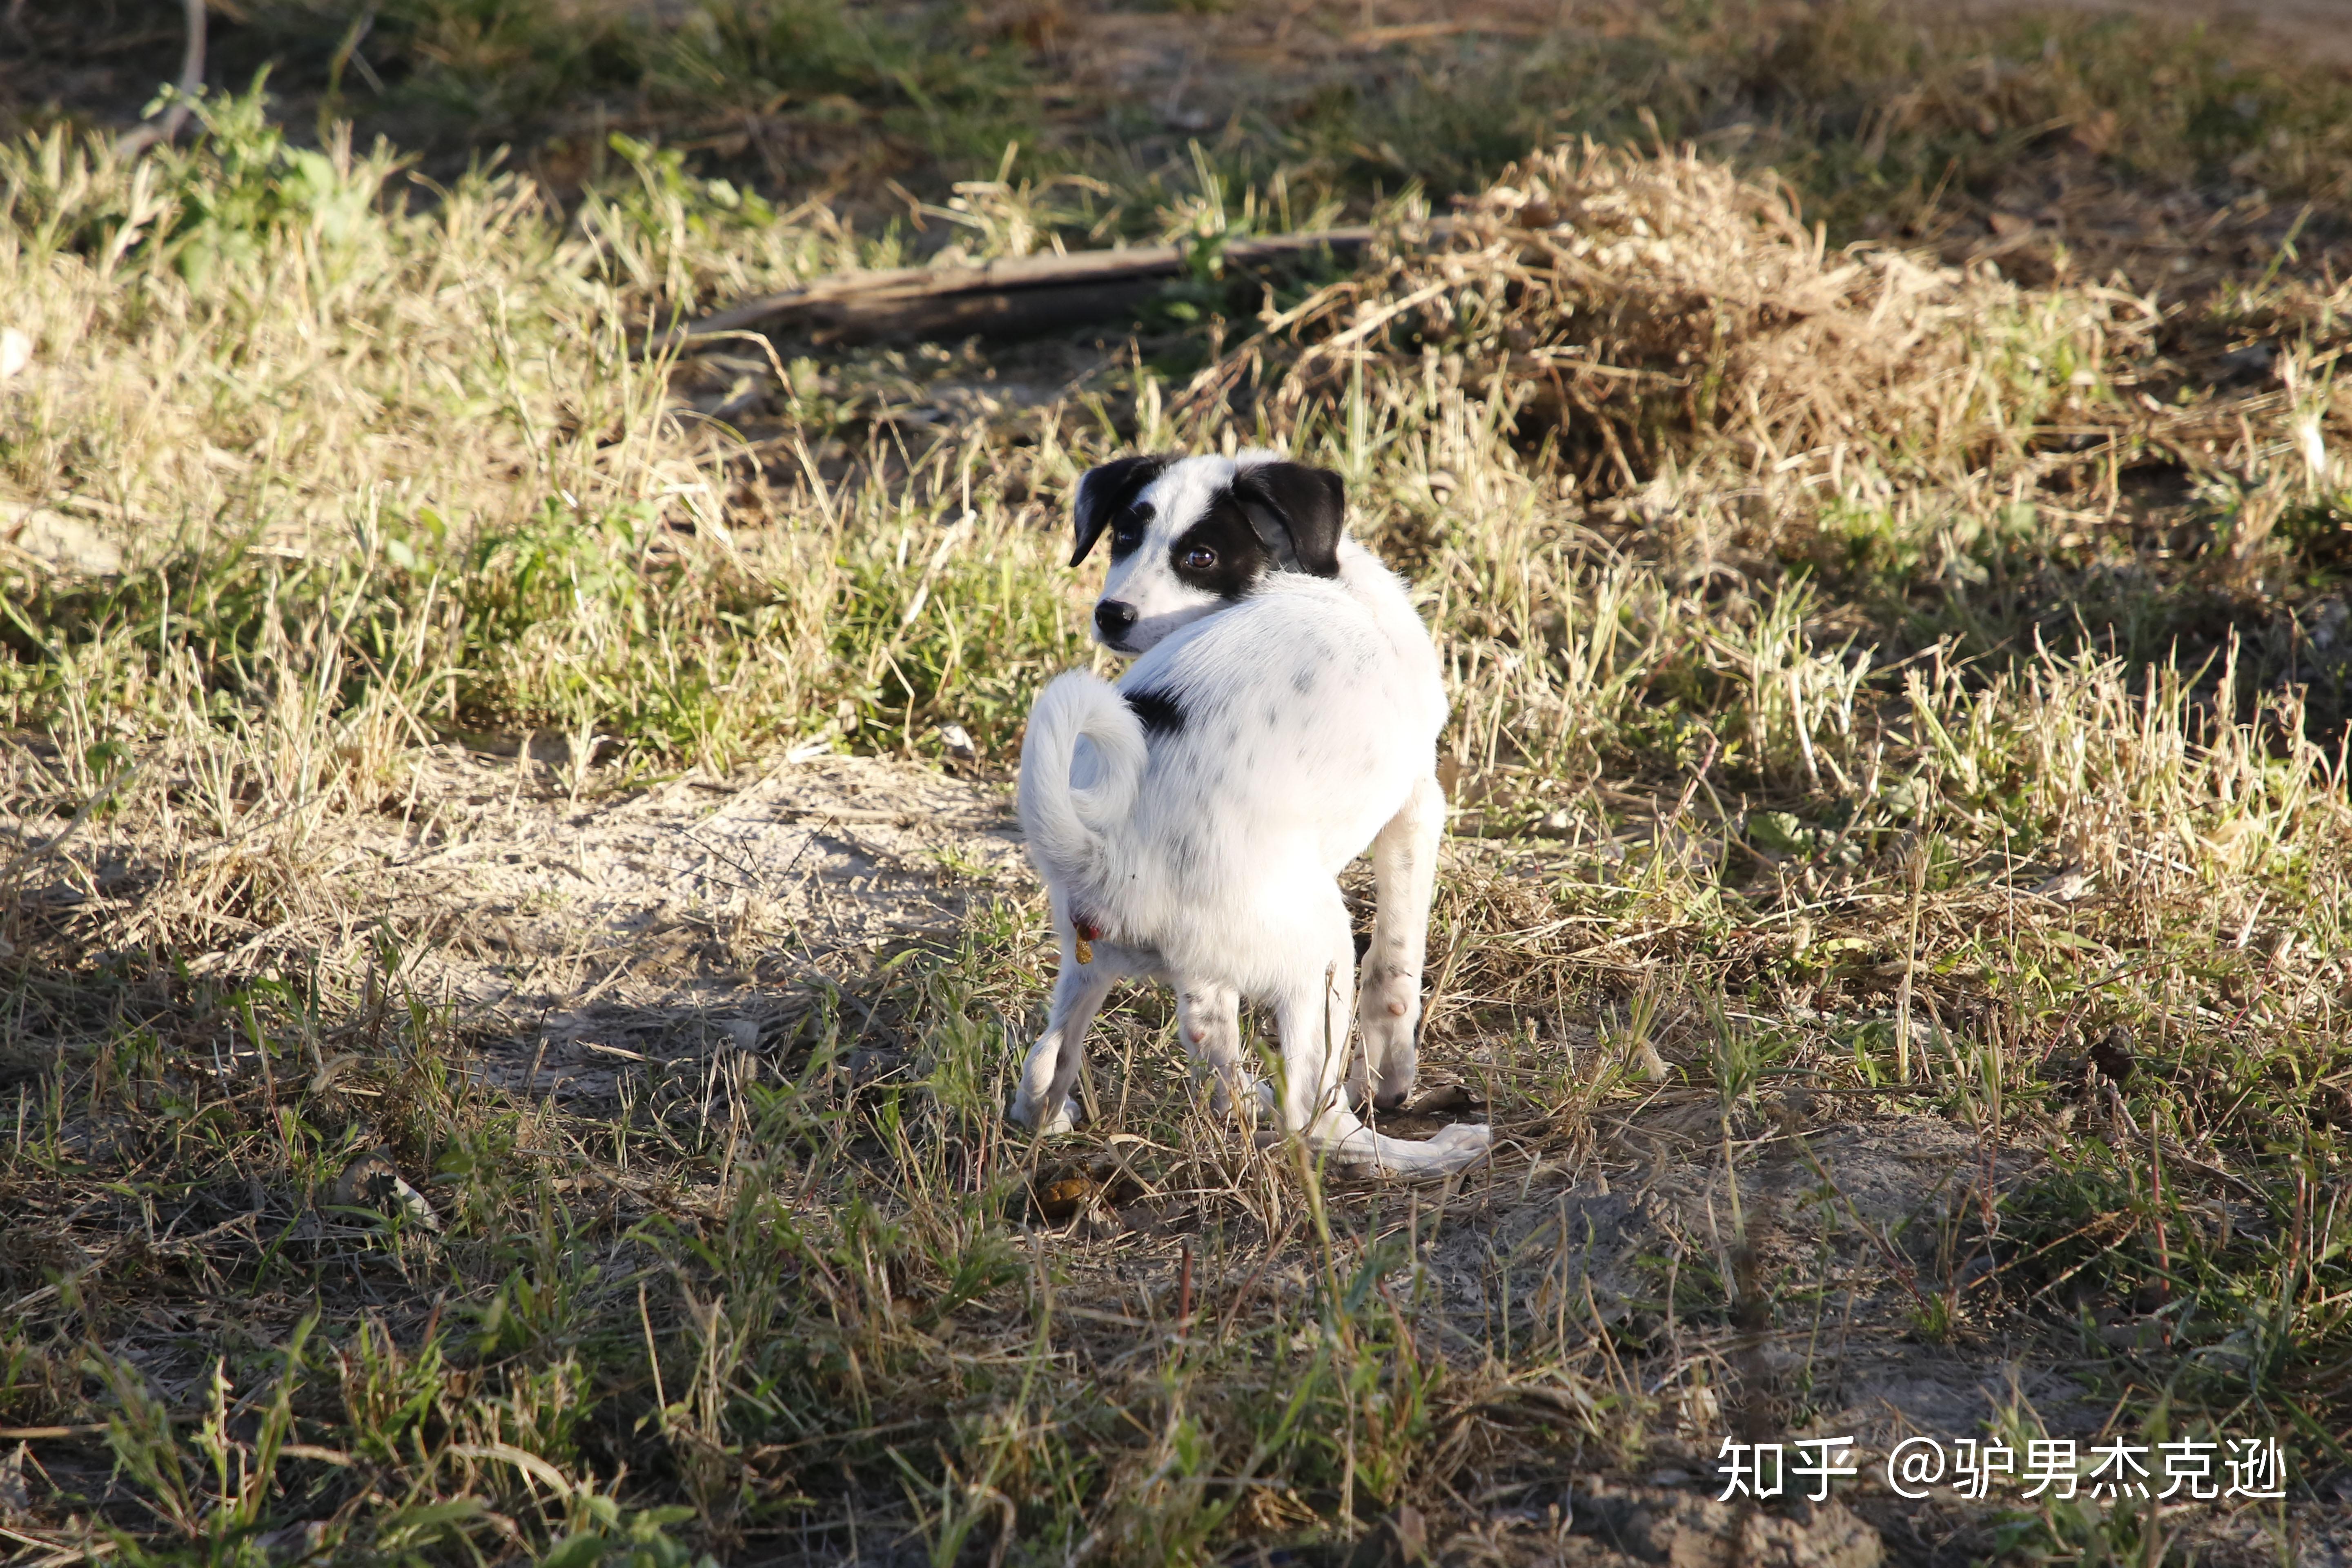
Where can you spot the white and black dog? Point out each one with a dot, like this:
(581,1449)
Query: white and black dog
(1282,713)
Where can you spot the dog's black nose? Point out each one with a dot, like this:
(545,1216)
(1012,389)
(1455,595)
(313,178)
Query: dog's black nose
(1112,619)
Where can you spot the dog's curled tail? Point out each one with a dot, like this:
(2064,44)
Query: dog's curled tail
(1064,816)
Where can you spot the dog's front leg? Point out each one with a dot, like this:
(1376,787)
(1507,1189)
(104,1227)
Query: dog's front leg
(1043,1100)
(1210,1015)
(1404,878)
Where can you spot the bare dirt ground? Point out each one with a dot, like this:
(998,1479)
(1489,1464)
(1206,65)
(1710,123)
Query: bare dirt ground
(1185,66)
(673,922)
(2308,30)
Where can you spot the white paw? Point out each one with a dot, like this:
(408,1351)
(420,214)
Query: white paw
(1389,1038)
(1465,1136)
(1389,1020)
(1391,1002)
(1025,1115)
(1249,1098)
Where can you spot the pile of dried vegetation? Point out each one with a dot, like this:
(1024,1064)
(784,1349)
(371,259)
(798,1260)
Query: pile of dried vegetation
(1645,311)
(1635,304)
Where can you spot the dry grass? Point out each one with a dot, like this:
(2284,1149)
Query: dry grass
(491,1083)
(1636,302)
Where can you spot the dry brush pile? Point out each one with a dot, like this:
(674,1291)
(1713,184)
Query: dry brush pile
(1631,308)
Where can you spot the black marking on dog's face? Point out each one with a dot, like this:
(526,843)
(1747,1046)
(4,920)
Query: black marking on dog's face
(1221,554)
(1298,513)
(1107,500)
(1158,710)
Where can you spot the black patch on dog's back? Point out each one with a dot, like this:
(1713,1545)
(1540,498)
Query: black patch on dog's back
(1158,710)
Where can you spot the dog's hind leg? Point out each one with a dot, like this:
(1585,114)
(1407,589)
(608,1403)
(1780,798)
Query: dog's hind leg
(1210,1015)
(1043,1100)
(1404,876)
(1312,1014)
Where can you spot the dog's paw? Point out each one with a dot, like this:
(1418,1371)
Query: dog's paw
(1257,1100)
(1456,1148)
(1063,1120)
(1249,1098)
(1388,1015)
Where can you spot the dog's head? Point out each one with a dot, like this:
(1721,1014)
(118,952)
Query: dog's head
(1191,535)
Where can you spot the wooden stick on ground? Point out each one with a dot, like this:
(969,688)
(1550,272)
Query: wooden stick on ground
(192,78)
(1021,294)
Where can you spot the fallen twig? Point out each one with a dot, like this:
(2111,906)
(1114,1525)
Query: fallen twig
(1017,294)
(137,140)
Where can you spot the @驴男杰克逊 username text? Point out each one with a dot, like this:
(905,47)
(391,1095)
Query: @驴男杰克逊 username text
(2057,1469)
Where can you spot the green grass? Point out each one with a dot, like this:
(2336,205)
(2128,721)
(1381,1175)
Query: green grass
(1887,128)
(1941,746)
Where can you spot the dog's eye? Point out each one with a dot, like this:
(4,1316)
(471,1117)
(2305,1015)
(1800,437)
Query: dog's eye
(1200,558)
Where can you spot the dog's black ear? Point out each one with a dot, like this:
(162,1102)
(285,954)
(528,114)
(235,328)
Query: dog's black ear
(1107,492)
(1296,512)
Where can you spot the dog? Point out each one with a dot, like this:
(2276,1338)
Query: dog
(1282,712)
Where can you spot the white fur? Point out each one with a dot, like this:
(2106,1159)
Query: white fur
(1209,857)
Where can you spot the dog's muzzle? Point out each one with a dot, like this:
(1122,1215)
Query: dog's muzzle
(1113,621)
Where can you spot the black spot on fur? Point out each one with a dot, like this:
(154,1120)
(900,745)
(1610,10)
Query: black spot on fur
(1158,710)
(1107,500)
(1127,529)
(1221,554)
(1302,681)
(1184,855)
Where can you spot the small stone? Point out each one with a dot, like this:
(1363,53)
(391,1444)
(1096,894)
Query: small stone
(2112,1053)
